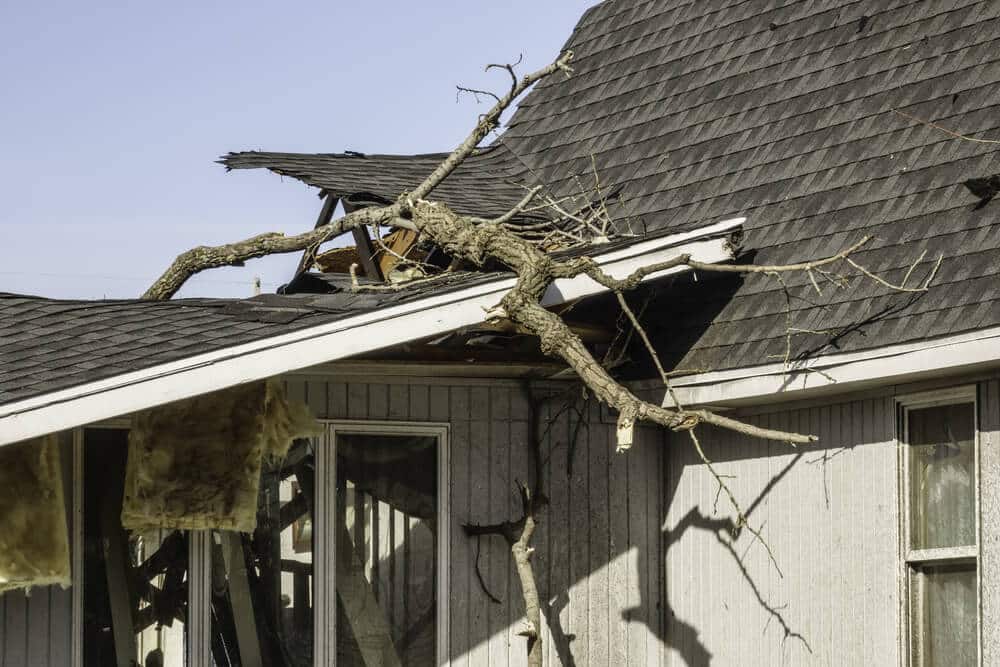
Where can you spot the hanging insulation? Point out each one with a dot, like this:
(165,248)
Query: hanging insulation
(196,464)
(34,539)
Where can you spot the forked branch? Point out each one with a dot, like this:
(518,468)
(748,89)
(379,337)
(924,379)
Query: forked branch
(202,258)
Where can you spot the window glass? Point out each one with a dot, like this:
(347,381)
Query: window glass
(135,584)
(942,476)
(944,616)
(386,556)
(262,584)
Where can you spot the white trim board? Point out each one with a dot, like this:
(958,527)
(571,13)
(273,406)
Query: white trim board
(323,343)
(835,373)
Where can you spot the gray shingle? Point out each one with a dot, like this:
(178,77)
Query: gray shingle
(106,341)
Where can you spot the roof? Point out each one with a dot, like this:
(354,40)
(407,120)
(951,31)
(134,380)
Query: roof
(64,363)
(714,108)
(487,184)
(781,112)
(50,344)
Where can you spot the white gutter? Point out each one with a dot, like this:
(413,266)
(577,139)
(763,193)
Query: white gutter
(835,373)
(350,336)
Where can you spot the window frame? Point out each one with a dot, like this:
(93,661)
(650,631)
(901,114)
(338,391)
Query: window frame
(199,570)
(198,630)
(911,559)
(325,605)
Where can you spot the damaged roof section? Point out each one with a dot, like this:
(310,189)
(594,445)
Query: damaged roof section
(64,363)
(487,184)
(786,115)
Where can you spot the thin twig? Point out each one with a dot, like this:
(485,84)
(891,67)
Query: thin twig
(950,133)
(741,519)
(639,329)
(479,574)
(900,288)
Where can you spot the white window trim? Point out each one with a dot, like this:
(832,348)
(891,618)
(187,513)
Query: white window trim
(908,557)
(325,607)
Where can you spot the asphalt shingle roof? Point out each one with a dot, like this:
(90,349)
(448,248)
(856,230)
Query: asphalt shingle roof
(486,184)
(52,344)
(777,110)
(780,111)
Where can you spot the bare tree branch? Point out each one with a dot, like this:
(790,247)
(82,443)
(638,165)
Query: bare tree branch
(950,133)
(202,258)
(518,534)
(489,122)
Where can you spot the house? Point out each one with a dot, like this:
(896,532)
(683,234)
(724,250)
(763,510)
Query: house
(771,133)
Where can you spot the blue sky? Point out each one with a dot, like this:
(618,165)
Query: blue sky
(113,115)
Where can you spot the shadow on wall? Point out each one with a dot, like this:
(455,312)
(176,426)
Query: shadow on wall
(684,637)
(573,641)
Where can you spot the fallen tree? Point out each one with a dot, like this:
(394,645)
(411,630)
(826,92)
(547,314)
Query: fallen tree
(478,241)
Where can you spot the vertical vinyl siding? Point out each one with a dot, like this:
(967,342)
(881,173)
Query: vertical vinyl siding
(35,629)
(598,554)
(624,589)
(989,507)
(829,514)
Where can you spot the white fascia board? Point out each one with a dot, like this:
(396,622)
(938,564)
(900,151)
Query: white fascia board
(835,373)
(436,314)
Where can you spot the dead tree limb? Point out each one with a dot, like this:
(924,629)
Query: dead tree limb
(478,241)
(202,258)
(536,270)
(518,533)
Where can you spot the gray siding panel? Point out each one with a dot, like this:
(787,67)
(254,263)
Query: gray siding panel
(597,559)
(15,629)
(634,555)
(989,488)
(35,629)
(828,512)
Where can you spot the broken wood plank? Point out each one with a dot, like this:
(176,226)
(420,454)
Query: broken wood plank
(116,570)
(366,253)
(239,598)
(399,243)
(363,613)
(324,217)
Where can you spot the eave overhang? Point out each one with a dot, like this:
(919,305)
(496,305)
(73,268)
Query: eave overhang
(365,332)
(930,359)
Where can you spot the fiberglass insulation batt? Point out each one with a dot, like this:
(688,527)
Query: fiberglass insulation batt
(196,464)
(34,540)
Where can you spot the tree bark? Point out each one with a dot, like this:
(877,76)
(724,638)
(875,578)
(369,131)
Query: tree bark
(521,550)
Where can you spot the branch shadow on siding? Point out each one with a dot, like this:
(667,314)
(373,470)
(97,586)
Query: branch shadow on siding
(682,636)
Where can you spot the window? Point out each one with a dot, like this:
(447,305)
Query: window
(941,528)
(346,567)
(134,585)
(387,533)
(262,584)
